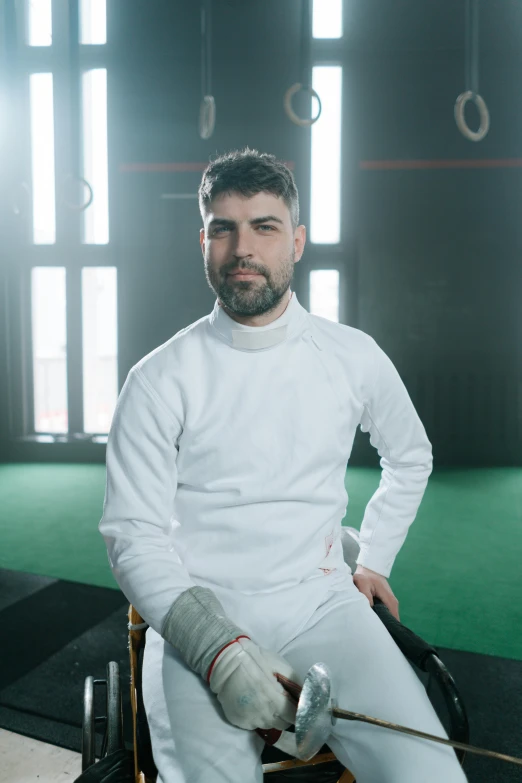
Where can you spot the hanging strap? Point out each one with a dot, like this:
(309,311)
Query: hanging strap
(471,77)
(472,47)
(305,69)
(206,51)
(73,179)
(207,110)
(305,51)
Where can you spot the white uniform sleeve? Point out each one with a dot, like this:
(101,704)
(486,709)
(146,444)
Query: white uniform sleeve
(406,461)
(141,485)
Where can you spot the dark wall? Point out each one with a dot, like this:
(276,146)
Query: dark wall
(429,257)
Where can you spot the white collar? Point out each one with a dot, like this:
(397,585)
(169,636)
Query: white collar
(255,338)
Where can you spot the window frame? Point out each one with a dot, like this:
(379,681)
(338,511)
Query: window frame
(68,251)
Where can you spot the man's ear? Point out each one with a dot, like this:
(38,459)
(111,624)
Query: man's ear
(299,241)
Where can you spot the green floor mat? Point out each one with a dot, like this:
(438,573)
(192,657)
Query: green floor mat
(458,576)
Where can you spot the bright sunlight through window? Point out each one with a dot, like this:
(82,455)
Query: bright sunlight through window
(100,348)
(324,293)
(42,158)
(95,165)
(39,22)
(93,22)
(327,19)
(48,324)
(325,207)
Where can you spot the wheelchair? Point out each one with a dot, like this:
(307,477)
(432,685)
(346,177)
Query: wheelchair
(121,765)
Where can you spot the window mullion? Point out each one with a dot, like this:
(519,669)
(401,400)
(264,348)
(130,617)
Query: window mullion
(67,123)
(74,349)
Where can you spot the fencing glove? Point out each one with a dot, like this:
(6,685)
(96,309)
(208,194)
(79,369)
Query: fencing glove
(239,672)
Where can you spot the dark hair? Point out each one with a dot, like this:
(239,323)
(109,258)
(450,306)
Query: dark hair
(249,172)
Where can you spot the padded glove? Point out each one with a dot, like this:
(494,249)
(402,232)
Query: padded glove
(239,672)
(242,677)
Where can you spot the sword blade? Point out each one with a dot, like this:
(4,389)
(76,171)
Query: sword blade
(347,715)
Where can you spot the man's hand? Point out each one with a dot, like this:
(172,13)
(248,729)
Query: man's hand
(243,677)
(370,583)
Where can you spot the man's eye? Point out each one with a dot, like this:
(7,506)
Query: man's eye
(218,229)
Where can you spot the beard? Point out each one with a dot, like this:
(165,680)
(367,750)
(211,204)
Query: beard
(254,297)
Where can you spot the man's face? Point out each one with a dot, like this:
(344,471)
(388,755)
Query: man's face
(253,235)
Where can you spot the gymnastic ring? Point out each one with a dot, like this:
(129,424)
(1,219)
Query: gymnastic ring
(460,119)
(288,104)
(69,204)
(207,117)
(21,187)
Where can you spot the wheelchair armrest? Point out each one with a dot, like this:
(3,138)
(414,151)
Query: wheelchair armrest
(412,646)
(426,658)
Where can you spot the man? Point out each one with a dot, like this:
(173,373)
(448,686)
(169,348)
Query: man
(225,494)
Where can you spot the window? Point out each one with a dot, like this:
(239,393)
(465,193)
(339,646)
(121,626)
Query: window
(93,22)
(325,209)
(328,247)
(49,340)
(72,296)
(327,19)
(42,158)
(324,293)
(95,165)
(38,23)
(100,352)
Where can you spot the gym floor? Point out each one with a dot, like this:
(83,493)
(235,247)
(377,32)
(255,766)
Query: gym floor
(67,617)
(26,760)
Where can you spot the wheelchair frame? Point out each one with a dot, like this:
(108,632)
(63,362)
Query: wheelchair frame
(413,647)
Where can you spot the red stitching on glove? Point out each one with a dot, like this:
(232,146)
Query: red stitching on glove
(219,653)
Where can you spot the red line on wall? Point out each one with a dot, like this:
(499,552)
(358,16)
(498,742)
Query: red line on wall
(396,165)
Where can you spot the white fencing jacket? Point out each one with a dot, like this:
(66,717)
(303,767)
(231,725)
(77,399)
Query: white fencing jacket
(226,463)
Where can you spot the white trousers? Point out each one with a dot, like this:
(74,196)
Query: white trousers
(193,742)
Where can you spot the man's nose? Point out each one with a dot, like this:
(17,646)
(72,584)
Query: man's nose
(244,243)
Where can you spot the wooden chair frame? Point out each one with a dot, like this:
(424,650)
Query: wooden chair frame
(137,627)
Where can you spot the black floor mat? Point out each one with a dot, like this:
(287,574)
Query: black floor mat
(60,632)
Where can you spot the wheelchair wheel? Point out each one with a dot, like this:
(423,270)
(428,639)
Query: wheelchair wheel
(113,718)
(88,738)
(114,709)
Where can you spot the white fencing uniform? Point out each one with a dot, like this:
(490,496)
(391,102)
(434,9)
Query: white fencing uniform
(226,463)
